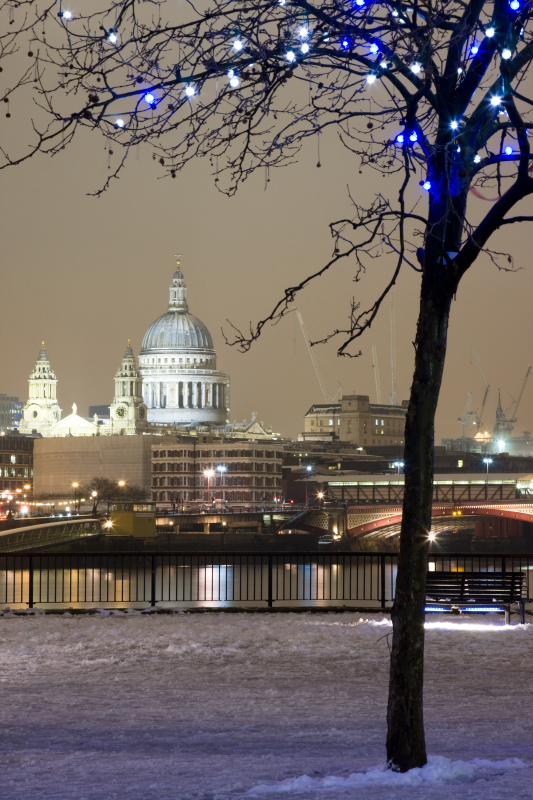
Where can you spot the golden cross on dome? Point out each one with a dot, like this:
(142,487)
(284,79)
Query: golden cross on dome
(177,256)
(42,344)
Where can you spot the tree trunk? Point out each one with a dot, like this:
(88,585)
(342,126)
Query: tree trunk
(406,746)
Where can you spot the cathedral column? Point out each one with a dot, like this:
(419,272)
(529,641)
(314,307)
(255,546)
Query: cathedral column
(194,394)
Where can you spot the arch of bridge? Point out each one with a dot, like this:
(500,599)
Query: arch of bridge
(367,520)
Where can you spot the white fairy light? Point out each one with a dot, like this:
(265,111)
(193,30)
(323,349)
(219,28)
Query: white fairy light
(489,32)
(304,48)
(506,53)
(477,158)
(66,14)
(290,56)
(371,78)
(303,33)
(112,37)
(237,45)
(190,90)
(416,67)
(495,100)
(119,123)
(454,125)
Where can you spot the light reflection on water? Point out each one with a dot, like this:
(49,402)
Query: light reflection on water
(189,585)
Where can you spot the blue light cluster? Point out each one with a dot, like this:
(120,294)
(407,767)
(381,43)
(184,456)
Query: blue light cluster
(483,609)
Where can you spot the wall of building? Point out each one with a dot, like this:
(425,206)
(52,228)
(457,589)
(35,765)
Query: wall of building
(249,472)
(58,462)
(356,420)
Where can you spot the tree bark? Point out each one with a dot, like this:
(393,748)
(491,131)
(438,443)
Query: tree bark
(406,746)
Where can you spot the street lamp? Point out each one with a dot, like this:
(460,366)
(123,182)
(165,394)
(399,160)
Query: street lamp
(221,469)
(94,495)
(320,496)
(309,469)
(75,487)
(208,473)
(487,461)
(399,464)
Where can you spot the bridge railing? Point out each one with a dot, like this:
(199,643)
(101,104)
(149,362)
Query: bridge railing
(141,580)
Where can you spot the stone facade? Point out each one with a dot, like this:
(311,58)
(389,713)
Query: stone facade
(356,420)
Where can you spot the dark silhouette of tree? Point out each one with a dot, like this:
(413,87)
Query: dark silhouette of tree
(432,92)
(106,491)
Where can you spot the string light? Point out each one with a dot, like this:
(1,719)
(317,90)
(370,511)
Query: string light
(290,56)
(454,125)
(495,100)
(489,33)
(234,81)
(281,2)
(374,48)
(371,78)
(237,45)
(477,158)
(459,70)
(303,33)
(508,151)
(400,138)
(304,48)
(359,2)
(190,90)
(66,14)
(119,123)
(474,49)
(394,13)
(112,37)
(426,185)
(413,137)
(345,43)
(416,67)
(149,98)
(515,5)
(506,53)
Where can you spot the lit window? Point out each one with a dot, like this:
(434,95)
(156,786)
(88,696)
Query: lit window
(330,422)
(459,463)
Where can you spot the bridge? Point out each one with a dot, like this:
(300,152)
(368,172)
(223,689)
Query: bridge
(339,521)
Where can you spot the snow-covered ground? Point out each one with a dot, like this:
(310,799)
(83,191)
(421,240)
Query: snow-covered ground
(139,706)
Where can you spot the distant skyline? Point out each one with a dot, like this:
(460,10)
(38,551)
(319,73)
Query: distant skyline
(86,274)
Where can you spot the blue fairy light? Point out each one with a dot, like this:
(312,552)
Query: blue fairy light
(149,98)
(359,2)
(426,185)
(371,78)
(345,43)
(400,138)
(413,137)
(474,49)
(477,158)
(508,151)
(514,4)
(374,48)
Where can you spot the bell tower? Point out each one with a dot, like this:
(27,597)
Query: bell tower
(42,410)
(127,412)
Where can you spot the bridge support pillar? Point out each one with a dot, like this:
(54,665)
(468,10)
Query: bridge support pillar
(207,527)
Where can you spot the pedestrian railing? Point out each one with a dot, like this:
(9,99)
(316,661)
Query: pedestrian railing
(218,579)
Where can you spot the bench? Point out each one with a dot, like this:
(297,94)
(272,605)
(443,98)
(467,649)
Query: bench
(476,590)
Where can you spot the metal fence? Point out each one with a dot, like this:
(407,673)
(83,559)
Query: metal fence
(239,579)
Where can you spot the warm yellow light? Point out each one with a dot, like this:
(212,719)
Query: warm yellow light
(75,485)
(122,483)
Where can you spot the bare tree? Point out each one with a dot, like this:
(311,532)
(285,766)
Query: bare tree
(432,91)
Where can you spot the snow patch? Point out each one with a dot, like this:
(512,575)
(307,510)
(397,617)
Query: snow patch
(438,770)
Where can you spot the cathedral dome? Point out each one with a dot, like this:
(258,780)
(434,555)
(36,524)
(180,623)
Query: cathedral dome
(177,329)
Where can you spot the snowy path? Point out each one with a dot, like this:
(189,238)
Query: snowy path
(169,707)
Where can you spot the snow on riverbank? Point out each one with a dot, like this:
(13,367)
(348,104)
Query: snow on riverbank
(220,706)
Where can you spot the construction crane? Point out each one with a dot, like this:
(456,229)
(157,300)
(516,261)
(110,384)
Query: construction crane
(393,398)
(505,420)
(327,399)
(467,415)
(376,373)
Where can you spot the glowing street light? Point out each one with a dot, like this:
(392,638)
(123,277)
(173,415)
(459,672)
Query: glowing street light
(488,462)
(75,486)
(208,473)
(399,464)
(308,470)
(94,496)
